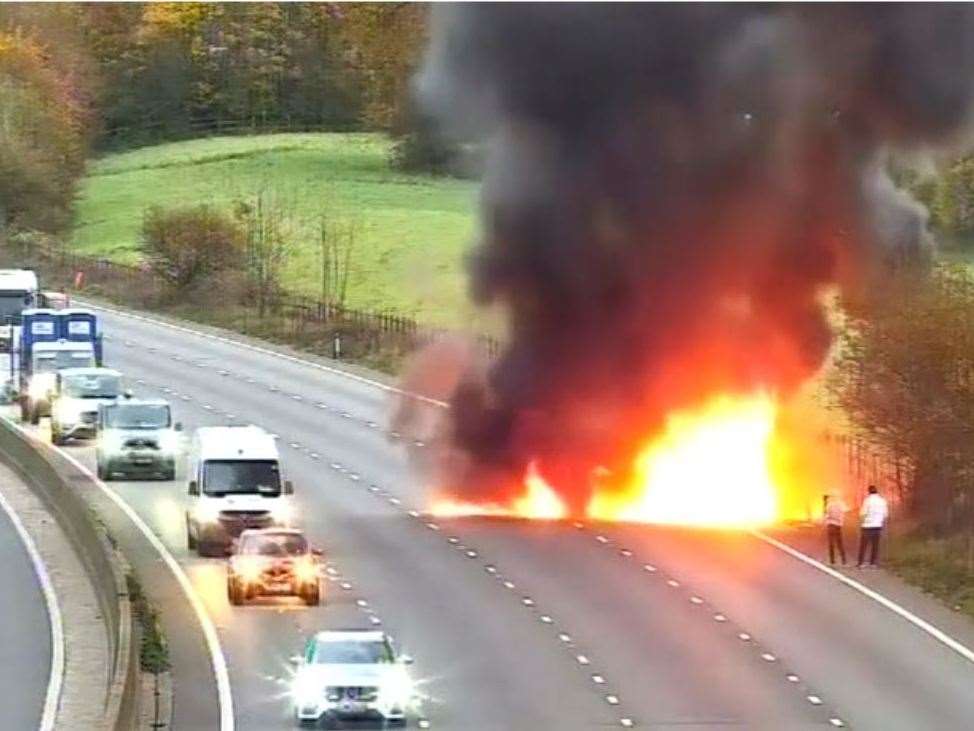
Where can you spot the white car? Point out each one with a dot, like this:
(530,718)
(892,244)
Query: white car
(79,392)
(352,674)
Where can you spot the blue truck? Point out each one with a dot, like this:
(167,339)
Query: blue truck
(51,340)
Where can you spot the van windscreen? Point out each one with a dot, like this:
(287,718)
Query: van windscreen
(241,477)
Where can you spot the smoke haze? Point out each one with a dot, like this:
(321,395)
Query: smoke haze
(669,189)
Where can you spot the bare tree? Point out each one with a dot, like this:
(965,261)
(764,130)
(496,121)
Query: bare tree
(337,243)
(269,245)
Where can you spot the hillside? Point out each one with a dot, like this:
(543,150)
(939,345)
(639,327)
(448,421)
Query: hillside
(412,230)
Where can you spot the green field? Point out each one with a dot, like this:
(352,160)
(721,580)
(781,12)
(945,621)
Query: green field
(412,230)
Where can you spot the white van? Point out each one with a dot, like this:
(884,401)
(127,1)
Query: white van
(235,483)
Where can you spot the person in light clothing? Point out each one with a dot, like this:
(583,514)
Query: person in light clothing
(873,515)
(835,510)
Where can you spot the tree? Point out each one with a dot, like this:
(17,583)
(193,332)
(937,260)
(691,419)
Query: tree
(268,245)
(43,123)
(904,376)
(336,241)
(185,245)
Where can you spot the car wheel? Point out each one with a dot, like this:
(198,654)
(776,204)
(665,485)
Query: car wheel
(312,595)
(233,593)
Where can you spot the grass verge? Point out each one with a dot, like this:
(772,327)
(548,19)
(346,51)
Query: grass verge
(153,648)
(940,566)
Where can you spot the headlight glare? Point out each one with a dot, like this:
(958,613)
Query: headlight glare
(282,512)
(207,511)
(169,442)
(111,442)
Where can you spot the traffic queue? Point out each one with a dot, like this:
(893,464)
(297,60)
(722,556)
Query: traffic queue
(239,506)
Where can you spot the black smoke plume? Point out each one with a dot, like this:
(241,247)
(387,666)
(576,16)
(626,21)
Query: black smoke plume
(669,189)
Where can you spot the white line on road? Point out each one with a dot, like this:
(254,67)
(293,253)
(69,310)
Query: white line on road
(217,658)
(53,696)
(266,351)
(937,634)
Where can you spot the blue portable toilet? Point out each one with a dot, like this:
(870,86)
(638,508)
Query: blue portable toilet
(77,325)
(39,325)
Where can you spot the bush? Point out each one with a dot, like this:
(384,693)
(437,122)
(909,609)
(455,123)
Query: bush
(184,245)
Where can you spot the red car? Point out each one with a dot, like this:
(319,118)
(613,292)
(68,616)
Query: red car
(273,561)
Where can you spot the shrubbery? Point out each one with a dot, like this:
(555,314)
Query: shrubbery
(184,245)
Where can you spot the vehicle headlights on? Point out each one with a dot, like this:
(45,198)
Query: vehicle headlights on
(305,691)
(305,570)
(397,690)
(249,570)
(111,443)
(40,386)
(68,412)
(206,512)
(169,442)
(282,512)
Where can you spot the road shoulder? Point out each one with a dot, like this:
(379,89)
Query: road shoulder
(86,646)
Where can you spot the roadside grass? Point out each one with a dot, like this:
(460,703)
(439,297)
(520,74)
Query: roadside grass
(939,566)
(412,230)
(153,650)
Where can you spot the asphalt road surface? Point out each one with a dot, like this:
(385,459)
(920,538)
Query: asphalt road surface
(25,635)
(516,625)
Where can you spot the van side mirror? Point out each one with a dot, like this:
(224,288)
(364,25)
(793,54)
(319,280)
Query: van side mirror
(178,426)
(288,487)
(194,487)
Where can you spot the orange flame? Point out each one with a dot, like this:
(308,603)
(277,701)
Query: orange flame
(737,461)
(539,501)
(711,467)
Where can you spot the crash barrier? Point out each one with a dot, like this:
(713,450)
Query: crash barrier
(60,485)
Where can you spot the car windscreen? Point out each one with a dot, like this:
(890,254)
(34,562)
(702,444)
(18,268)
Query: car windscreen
(137,416)
(93,386)
(274,544)
(350,652)
(12,304)
(50,362)
(229,477)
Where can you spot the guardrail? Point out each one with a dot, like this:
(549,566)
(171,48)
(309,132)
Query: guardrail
(60,485)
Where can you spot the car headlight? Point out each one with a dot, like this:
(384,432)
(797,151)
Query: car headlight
(68,412)
(248,569)
(305,570)
(169,442)
(207,512)
(397,690)
(305,691)
(40,386)
(111,442)
(282,511)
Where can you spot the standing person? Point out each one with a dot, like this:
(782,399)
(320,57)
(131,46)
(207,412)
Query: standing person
(873,514)
(835,510)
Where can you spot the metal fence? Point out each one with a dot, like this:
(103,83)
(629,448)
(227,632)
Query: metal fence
(140,286)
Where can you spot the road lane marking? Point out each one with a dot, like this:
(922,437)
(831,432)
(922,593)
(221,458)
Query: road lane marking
(52,697)
(916,621)
(217,658)
(266,351)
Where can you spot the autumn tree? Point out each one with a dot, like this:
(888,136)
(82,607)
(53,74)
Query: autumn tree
(904,376)
(43,122)
(186,245)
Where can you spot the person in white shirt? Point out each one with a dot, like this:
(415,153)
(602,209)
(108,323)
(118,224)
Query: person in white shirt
(834,513)
(873,515)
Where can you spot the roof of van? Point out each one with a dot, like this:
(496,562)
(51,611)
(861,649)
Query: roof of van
(89,372)
(234,442)
(18,280)
(45,346)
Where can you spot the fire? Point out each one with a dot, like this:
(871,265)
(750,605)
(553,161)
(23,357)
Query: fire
(538,501)
(736,461)
(711,466)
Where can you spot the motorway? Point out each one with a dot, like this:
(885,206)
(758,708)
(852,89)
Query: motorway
(516,625)
(25,633)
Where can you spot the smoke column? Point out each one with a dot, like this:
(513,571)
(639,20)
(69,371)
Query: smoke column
(669,189)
